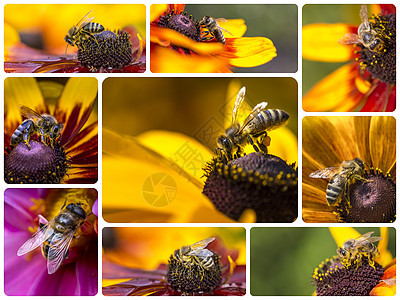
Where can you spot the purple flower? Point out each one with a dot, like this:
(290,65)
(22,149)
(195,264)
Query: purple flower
(27,275)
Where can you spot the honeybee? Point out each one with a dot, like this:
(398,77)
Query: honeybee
(213,29)
(82,31)
(255,126)
(339,177)
(366,36)
(354,250)
(56,236)
(196,253)
(46,126)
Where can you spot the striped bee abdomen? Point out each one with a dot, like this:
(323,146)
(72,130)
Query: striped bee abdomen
(93,27)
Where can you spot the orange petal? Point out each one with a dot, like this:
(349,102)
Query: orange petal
(336,92)
(166,37)
(249,51)
(164,60)
(320,42)
(387,287)
(11,38)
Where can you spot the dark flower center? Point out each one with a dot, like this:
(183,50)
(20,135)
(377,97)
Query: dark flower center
(372,201)
(261,182)
(382,64)
(38,164)
(333,279)
(182,22)
(192,275)
(107,50)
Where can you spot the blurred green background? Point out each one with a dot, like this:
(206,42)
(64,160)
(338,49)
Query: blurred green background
(314,71)
(276,22)
(136,105)
(282,260)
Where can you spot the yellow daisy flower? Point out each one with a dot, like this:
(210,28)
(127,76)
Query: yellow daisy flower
(329,141)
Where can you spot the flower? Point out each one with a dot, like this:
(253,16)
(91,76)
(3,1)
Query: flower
(368,277)
(42,47)
(327,141)
(70,157)
(135,264)
(179,43)
(164,168)
(27,275)
(368,82)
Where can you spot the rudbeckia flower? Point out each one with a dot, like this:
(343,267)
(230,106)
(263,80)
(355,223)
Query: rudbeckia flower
(368,81)
(134,264)
(28,275)
(115,46)
(329,141)
(373,275)
(180,43)
(164,169)
(67,153)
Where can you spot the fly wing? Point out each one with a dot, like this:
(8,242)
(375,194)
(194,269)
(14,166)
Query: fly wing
(364,16)
(36,239)
(201,253)
(30,113)
(238,103)
(325,173)
(58,251)
(256,110)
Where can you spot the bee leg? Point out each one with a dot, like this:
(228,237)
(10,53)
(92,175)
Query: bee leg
(252,143)
(26,139)
(358,177)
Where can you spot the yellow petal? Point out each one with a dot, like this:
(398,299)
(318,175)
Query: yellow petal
(186,152)
(342,234)
(383,142)
(320,42)
(11,37)
(362,137)
(249,51)
(336,92)
(283,144)
(236,27)
(21,91)
(169,61)
(329,140)
(121,146)
(385,256)
(156,10)
(78,92)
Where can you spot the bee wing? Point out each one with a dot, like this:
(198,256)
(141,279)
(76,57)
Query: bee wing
(364,16)
(58,251)
(238,103)
(367,238)
(36,239)
(325,173)
(224,29)
(201,253)
(350,38)
(85,20)
(202,244)
(29,113)
(256,110)
(220,20)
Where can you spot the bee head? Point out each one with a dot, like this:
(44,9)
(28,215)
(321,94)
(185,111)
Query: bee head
(225,143)
(185,250)
(55,131)
(342,253)
(206,20)
(359,162)
(76,208)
